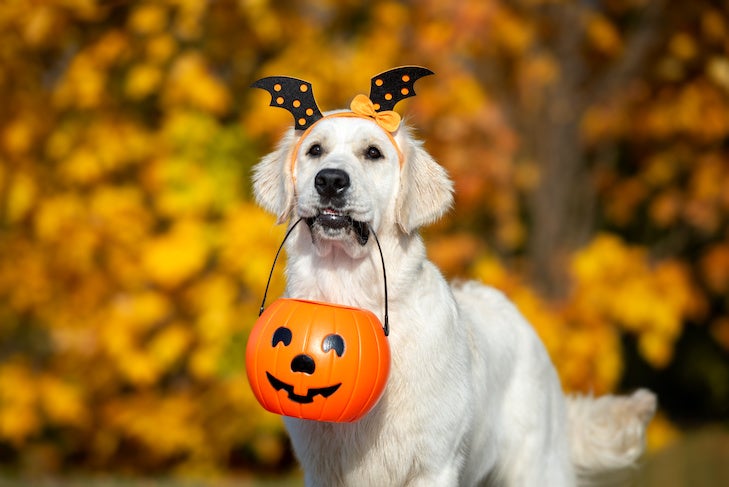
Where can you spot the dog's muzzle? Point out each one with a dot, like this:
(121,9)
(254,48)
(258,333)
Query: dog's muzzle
(331,185)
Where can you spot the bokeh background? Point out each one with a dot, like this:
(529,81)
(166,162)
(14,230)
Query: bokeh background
(589,145)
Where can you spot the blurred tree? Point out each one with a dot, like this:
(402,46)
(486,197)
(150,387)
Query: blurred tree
(587,141)
(549,63)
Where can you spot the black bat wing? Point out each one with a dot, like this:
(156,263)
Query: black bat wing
(294,95)
(392,86)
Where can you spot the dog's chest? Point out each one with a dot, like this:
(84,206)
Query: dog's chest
(338,281)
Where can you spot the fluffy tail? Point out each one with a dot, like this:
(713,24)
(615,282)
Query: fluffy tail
(607,435)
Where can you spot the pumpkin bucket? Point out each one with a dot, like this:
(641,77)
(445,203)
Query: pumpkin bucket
(316,360)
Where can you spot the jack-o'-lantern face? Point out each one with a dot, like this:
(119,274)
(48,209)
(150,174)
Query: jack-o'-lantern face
(305,364)
(317,361)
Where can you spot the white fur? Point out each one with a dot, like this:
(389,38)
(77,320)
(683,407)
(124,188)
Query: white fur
(472,398)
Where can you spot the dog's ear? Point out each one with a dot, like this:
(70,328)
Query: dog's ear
(273,184)
(426,191)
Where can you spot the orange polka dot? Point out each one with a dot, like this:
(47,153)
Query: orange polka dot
(302,121)
(404,91)
(376,106)
(280,100)
(304,88)
(277,87)
(406,78)
(297,103)
(309,112)
(388,96)
(379,82)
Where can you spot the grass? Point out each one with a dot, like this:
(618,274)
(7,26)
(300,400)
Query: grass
(700,459)
(109,481)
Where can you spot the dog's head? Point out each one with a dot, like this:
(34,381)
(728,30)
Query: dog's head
(347,173)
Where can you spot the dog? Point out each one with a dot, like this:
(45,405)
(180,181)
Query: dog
(472,397)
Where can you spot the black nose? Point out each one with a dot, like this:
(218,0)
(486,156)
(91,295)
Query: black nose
(303,363)
(331,182)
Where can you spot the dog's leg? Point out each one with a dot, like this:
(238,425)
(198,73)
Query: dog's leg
(529,423)
(535,448)
(531,468)
(448,477)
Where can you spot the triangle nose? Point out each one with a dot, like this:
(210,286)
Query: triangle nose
(303,363)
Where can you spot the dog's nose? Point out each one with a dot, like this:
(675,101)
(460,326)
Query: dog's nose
(331,182)
(303,363)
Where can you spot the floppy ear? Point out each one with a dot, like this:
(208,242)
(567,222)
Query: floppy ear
(426,192)
(273,184)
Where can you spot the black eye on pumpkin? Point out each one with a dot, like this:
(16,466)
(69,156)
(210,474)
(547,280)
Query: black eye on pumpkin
(282,334)
(333,342)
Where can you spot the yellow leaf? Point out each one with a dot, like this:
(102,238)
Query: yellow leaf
(169,344)
(62,403)
(140,311)
(173,258)
(656,348)
(513,33)
(718,70)
(204,361)
(82,166)
(39,24)
(160,48)
(22,195)
(19,418)
(142,80)
(148,19)
(661,433)
(57,215)
(191,82)
(683,46)
(138,368)
(665,208)
(603,35)
(17,137)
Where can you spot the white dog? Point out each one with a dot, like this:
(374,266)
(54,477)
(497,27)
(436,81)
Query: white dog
(472,397)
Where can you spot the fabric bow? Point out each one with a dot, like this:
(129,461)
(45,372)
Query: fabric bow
(388,120)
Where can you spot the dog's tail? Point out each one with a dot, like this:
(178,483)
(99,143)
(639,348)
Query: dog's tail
(607,435)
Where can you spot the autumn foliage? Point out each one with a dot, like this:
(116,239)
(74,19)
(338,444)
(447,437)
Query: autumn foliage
(587,141)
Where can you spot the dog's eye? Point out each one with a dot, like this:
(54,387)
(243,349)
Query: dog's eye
(282,335)
(333,342)
(373,153)
(314,151)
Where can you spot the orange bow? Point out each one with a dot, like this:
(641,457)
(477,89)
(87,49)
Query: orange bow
(388,120)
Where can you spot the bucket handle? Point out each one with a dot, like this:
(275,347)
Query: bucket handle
(385,327)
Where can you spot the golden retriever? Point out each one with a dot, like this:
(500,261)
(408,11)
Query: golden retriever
(472,398)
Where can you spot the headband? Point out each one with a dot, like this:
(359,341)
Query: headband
(386,90)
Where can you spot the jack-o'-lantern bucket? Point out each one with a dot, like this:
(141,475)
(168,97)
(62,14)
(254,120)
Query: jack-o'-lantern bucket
(315,360)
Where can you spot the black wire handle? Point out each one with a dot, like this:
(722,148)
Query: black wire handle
(385,327)
(270,274)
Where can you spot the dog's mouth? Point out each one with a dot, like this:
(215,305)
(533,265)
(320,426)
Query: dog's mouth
(332,220)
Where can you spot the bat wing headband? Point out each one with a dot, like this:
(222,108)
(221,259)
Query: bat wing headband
(386,90)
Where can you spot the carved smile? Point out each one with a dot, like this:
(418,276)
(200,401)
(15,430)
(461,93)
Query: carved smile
(309,397)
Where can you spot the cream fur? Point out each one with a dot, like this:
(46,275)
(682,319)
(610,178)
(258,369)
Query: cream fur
(472,398)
